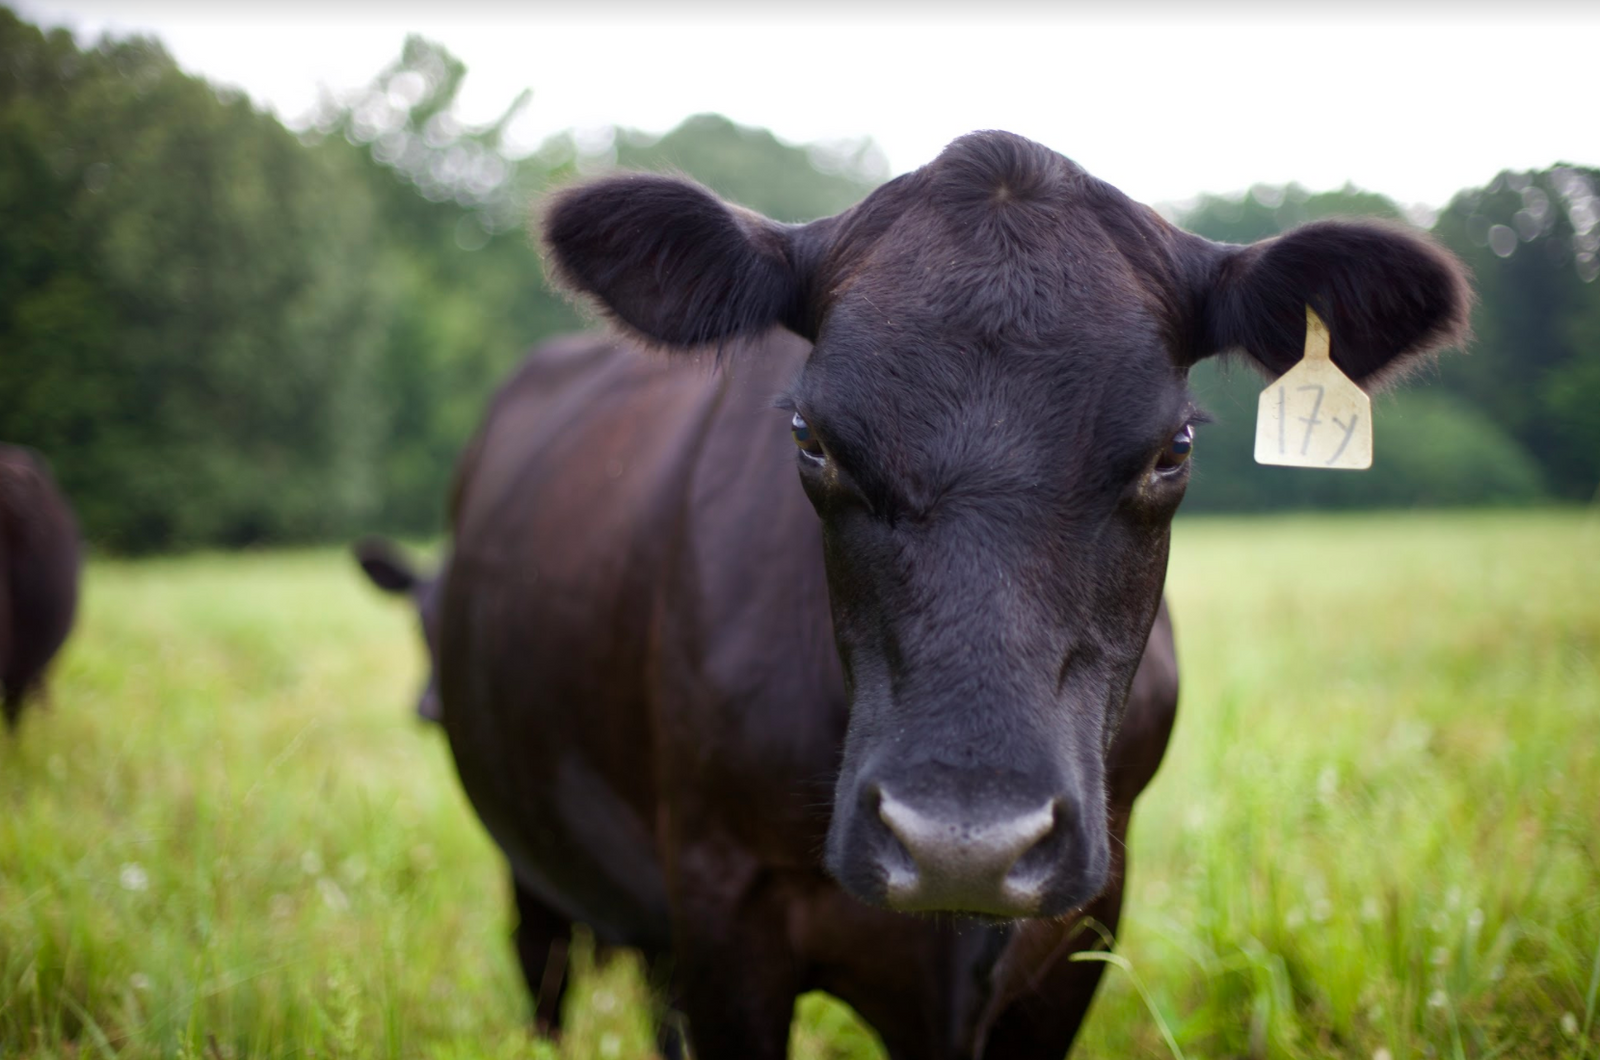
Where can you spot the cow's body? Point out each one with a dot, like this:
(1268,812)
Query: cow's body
(647,708)
(39,557)
(753,699)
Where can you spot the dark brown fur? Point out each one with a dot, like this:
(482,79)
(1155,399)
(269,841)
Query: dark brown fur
(589,690)
(39,558)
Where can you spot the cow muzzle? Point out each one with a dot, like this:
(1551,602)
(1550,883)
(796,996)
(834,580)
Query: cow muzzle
(934,855)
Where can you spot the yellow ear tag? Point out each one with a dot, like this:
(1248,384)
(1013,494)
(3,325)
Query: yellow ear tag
(1314,415)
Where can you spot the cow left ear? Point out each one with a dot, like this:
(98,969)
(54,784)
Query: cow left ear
(674,263)
(1388,295)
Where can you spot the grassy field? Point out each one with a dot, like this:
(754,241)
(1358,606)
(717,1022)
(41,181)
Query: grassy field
(1377,834)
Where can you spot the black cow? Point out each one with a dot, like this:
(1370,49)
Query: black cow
(387,567)
(39,559)
(748,666)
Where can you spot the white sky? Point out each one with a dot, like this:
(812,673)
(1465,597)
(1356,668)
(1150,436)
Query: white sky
(1412,99)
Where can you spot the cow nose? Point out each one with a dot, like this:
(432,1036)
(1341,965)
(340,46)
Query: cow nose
(953,864)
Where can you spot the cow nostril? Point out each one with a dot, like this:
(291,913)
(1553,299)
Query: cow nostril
(896,860)
(1036,864)
(993,844)
(902,821)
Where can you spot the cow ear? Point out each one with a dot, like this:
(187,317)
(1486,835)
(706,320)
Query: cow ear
(384,566)
(1388,295)
(673,262)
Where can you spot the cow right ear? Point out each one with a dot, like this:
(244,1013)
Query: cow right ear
(1388,294)
(673,262)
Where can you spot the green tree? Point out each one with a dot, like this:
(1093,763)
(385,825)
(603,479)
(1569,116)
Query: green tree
(470,295)
(1532,241)
(1267,210)
(467,288)
(224,333)
(186,323)
(754,168)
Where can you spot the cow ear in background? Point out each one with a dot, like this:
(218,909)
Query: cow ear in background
(670,260)
(1389,295)
(384,565)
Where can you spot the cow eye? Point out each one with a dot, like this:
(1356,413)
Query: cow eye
(804,438)
(1176,454)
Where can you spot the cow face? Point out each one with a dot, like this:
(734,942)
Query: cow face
(994,427)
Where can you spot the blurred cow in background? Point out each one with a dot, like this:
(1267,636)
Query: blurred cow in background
(387,567)
(39,559)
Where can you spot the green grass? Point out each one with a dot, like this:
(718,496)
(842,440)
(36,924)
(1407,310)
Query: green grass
(1377,831)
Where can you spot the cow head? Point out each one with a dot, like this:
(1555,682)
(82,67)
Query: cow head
(994,427)
(387,568)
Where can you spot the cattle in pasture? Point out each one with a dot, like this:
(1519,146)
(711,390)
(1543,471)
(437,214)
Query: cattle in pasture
(386,566)
(39,560)
(835,657)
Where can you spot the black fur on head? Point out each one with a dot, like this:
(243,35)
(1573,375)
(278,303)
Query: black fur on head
(680,268)
(998,375)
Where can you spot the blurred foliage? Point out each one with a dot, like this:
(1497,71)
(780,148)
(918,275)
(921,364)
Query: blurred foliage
(1268,210)
(468,289)
(753,168)
(1532,239)
(176,270)
(464,286)
(223,333)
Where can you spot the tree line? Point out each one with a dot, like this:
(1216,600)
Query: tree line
(222,332)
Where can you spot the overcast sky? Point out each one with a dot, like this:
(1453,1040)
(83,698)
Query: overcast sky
(1415,100)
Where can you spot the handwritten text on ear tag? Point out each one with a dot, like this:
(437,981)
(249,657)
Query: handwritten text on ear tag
(1314,416)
